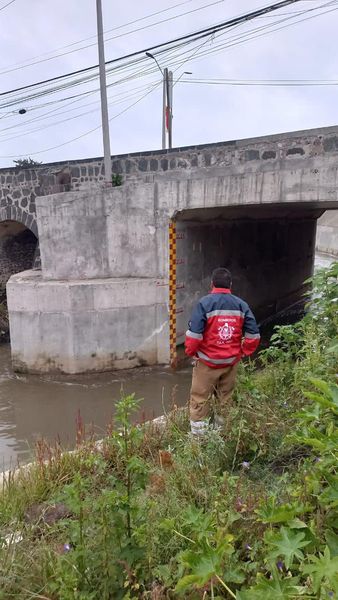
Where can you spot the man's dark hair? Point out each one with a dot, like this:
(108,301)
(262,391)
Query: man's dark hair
(221,278)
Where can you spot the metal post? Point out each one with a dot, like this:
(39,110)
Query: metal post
(170,107)
(167,108)
(103,90)
(164,110)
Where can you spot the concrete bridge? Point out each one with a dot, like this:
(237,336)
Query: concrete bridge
(122,267)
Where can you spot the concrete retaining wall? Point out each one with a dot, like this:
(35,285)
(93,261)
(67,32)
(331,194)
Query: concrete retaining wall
(327,233)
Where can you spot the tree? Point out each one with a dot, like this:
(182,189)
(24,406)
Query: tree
(26,163)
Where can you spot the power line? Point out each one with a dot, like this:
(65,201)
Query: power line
(190,57)
(199,34)
(178,60)
(259,32)
(8,4)
(237,39)
(77,116)
(87,132)
(22,64)
(266,83)
(117,36)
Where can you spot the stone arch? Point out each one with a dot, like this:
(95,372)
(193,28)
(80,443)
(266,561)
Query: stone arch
(19,251)
(15,213)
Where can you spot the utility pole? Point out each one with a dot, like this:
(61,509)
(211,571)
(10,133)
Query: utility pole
(103,91)
(167,102)
(170,87)
(164,108)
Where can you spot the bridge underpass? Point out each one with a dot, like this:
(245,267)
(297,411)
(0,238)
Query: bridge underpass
(18,250)
(269,250)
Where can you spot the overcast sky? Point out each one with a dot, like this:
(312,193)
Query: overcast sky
(32,28)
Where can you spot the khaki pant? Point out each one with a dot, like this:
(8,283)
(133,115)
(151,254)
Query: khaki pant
(205,381)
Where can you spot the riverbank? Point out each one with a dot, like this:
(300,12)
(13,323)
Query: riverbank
(153,514)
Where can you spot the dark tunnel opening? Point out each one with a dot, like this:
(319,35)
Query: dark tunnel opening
(269,251)
(18,252)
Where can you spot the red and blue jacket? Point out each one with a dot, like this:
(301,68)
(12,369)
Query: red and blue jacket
(222,329)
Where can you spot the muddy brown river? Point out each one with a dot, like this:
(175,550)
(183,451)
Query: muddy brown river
(32,407)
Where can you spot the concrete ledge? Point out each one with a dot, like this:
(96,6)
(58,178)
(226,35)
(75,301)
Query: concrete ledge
(82,326)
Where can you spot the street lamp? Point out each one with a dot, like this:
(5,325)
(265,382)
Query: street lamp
(180,77)
(155,59)
(165,102)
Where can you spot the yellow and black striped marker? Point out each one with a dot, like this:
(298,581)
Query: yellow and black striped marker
(172,293)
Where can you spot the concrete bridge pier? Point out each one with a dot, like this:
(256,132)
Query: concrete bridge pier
(88,309)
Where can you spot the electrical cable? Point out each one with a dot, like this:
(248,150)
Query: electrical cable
(79,81)
(85,133)
(238,39)
(115,101)
(276,83)
(180,62)
(22,64)
(8,4)
(116,36)
(201,33)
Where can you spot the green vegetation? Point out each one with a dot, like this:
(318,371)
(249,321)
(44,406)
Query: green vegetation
(116,179)
(26,163)
(250,513)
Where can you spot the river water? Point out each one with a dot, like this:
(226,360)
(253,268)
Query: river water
(32,407)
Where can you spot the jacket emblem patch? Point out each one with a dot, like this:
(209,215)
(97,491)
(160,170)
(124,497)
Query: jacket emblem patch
(225,332)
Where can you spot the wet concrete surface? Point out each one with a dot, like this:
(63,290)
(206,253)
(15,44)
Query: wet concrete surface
(32,407)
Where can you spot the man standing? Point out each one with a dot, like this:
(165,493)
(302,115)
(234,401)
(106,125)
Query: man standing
(222,330)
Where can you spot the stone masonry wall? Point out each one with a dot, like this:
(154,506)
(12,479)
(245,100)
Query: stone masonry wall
(20,187)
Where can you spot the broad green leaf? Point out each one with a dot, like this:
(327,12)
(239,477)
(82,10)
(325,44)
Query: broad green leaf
(330,494)
(287,544)
(332,542)
(186,583)
(271,512)
(323,569)
(272,589)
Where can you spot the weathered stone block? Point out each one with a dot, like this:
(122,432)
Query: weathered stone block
(330,144)
(75,172)
(269,154)
(207,159)
(117,167)
(251,154)
(143,164)
(296,150)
